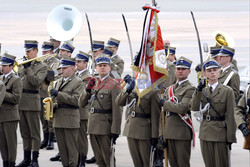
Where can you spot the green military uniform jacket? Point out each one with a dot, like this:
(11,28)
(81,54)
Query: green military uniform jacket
(141,128)
(32,79)
(68,94)
(106,93)
(234,82)
(84,111)
(117,67)
(9,107)
(2,92)
(175,127)
(171,75)
(241,108)
(223,102)
(52,64)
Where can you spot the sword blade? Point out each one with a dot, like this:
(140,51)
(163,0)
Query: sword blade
(91,43)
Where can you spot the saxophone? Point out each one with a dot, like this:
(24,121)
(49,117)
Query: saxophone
(48,104)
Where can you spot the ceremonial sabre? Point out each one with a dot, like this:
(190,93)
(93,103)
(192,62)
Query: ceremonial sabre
(130,47)
(91,43)
(152,155)
(198,37)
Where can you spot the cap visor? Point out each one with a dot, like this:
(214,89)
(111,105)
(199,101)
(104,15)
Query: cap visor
(181,66)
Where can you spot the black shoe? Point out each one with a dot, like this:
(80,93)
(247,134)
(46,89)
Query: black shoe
(51,141)
(45,141)
(12,164)
(26,161)
(56,158)
(34,164)
(91,160)
(5,163)
(82,161)
(159,158)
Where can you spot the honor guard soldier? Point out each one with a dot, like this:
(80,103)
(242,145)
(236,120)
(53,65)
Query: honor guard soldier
(98,47)
(9,115)
(170,52)
(142,122)
(178,130)
(56,44)
(105,115)
(218,127)
(66,50)
(82,60)
(66,93)
(52,64)
(117,67)
(242,113)
(33,74)
(228,75)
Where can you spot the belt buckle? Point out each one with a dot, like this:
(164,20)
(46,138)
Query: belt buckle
(132,114)
(208,118)
(92,110)
(167,114)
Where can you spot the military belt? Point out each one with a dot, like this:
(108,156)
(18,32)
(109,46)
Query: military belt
(67,106)
(210,118)
(133,114)
(170,113)
(92,110)
(30,91)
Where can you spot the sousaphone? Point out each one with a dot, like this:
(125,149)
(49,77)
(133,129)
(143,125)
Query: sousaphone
(64,22)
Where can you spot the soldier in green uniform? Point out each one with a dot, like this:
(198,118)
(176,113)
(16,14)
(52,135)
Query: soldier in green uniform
(9,115)
(228,75)
(105,115)
(218,127)
(117,67)
(52,65)
(67,117)
(82,60)
(56,44)
(242,111)
(66,50)
(170,52)
(32,75)
(177,129)
(142,122)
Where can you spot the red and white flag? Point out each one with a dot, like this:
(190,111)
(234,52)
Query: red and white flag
(150,62)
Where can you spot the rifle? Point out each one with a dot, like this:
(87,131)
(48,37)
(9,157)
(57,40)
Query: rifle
(112,154)
(91,43)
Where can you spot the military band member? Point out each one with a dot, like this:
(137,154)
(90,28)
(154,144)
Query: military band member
(177,131)
(32,75)
(81,66)
(9,115)
(228,75)
(241,115)
(98,47)
(117,67)
(56,44)
(142,122)
(52,65)
(218,127)
(66,50)
(67,117)
(105,116)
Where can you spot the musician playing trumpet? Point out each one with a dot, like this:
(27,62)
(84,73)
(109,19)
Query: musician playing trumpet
(32,75)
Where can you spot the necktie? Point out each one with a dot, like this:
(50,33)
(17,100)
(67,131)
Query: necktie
(211,89)
(176,85)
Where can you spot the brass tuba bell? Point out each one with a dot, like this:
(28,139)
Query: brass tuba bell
(222,38)
(64,22)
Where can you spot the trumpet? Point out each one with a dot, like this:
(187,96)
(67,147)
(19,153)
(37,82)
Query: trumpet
(17,64)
